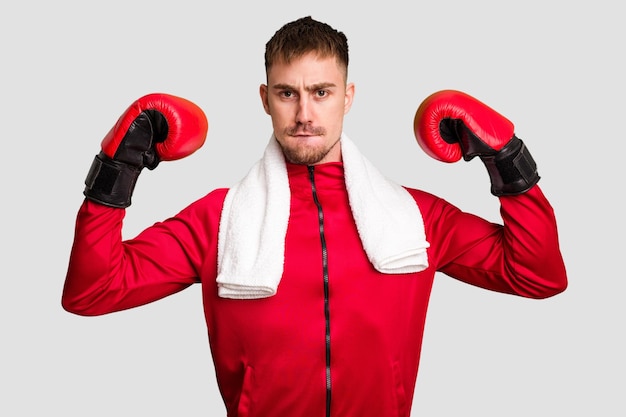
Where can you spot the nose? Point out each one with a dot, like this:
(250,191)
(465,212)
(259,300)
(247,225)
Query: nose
(304,114)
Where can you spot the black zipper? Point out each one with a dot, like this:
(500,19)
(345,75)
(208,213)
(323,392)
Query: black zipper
(320,215)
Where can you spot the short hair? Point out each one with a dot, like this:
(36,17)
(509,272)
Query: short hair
(299,37)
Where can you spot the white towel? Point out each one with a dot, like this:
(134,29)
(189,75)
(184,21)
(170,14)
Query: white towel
(253,224)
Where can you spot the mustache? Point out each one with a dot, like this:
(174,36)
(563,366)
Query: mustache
(305,129)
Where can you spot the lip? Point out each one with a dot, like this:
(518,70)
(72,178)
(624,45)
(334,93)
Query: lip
(304,135)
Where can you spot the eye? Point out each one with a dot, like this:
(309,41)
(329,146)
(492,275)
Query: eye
(322,93)
(286,93)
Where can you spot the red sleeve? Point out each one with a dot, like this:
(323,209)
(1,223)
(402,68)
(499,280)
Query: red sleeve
(522,256)
(106,274)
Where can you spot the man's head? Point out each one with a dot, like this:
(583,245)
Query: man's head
(307,93)
(304,35)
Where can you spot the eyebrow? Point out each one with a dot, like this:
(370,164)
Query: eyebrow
(313,87)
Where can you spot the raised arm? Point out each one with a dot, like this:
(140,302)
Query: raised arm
(522,255)
(104,273)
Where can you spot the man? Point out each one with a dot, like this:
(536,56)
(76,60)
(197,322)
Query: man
(315,270)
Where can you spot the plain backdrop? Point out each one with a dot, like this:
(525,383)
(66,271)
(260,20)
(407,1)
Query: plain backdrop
(70,68)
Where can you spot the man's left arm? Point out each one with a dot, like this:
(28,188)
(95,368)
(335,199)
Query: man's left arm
(522,256)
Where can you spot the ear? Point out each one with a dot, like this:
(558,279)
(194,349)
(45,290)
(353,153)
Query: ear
(264,97)
(348,98)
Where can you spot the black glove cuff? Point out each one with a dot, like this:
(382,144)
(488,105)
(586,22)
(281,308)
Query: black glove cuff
(110,182)
(512,170)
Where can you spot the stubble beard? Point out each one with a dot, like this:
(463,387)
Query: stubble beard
(304,154)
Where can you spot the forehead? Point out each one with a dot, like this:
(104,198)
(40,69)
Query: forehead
(310,67)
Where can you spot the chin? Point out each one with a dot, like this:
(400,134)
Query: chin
(305,155)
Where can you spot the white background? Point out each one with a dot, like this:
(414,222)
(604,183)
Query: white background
(69,68)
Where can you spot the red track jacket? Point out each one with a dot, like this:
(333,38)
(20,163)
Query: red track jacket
(338,338)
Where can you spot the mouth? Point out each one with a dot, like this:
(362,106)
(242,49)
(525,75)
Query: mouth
(307,132)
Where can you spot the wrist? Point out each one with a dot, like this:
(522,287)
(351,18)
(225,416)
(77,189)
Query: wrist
(512,169)
(111,182)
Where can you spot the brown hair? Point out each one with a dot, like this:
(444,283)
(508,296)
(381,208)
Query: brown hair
(305,35)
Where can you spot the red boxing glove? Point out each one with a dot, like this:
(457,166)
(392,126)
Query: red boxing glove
(156,127)
(450,124)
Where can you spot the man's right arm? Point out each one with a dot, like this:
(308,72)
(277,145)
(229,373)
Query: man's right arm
(106,274)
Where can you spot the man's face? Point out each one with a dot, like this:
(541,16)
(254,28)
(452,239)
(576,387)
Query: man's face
(307,100)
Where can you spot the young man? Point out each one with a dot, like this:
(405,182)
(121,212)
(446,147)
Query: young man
(315,270)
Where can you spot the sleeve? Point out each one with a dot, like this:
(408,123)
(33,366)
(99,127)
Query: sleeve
(106,274)
(522,256)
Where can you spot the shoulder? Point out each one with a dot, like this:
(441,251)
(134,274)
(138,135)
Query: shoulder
(430,204)
(210,203)
(423,197)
